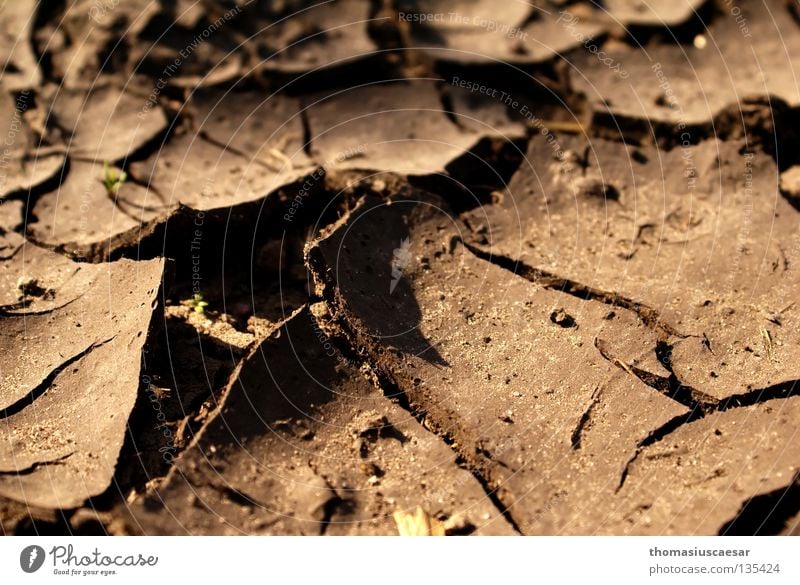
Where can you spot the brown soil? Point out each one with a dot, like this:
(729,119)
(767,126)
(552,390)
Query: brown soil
(343,270)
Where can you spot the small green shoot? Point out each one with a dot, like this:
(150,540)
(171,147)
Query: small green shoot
(113,180)
(198,304)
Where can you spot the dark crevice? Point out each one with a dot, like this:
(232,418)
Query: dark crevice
(14,309)
(349,337)
(10,255)
(654,437)
(152,146)
(120,205)
(670,386)
(647,315)
(306,132)
(329,509)
(483,452)
(187,408)
(238,497)
(496,501)
(203,135)
(699,403)
(766,514)
(146,183)
(56,524)
(384,25)
(380,380)
(391,389)
(46,12)
(45,384)
(38,465)
(491,493)
(446,99)
(775,392)
(623,476)
(472,179)
(331,505)
(765,123)
(31,196)
(459,196)
(584,420)
(354,345)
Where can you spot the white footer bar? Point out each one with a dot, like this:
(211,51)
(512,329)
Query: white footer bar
(406,561)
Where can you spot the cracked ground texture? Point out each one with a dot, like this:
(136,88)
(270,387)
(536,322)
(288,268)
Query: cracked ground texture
(297,269)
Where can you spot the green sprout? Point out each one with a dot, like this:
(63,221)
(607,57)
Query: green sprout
(113,180)
(198,304)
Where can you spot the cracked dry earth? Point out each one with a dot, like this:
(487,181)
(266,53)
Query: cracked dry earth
(276,268)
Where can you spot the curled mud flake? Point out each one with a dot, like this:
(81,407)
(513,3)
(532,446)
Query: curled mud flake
(670,91)
(79,385)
